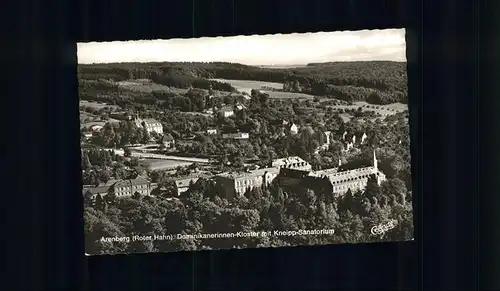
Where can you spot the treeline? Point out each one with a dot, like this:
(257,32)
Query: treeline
(200,211)
(388,79)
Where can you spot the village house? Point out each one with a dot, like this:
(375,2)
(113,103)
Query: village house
(150,124)
(212,131)
(237,135)
(96,127)
(226,111)
(87,135)
(168,141)
(294,129)
(239,107)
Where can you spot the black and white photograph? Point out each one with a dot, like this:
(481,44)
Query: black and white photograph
(237,142)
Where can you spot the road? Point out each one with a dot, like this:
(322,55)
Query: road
(163,157)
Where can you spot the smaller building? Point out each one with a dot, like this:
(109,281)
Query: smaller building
(239,107)
(237,135)
(182,185)
(88,135)
(96,127)
(168,141)
(294,129)
(226,111)
(212,131)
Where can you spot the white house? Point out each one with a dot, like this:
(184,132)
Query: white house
(96,127)
(327,135)
(150,124)
(294,129)
(212,131)
(226,111)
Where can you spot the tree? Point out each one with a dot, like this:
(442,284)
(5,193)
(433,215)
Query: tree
(127,152)
(136,195)
(100,203)
(372,188)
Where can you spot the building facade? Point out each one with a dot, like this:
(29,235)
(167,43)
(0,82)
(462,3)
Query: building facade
(293,162)
(150,124)
(236,135)
(122,188)
(231,185)
(336,182)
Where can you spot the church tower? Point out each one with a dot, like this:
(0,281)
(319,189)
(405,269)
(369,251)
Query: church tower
(375,164)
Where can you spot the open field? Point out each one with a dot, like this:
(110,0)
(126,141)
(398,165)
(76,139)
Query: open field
(142,86)
(86,117)
(97,105)
(288,95)
(147,86)
(155,165)
(382,109)
(247,86)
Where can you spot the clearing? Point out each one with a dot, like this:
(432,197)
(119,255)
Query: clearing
(97,105)
(155,165)
(143,85)
(246,86)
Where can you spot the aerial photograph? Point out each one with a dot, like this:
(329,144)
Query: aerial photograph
(255,141)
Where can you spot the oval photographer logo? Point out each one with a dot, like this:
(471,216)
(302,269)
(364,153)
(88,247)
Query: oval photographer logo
(383,228)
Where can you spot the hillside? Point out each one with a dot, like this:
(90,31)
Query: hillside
(377,82)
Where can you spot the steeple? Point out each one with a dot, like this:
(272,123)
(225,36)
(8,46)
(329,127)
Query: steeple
(340,162)
(375,164)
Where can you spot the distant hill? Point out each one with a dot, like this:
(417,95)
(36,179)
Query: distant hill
(378,82)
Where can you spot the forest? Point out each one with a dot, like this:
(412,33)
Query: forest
(385,82)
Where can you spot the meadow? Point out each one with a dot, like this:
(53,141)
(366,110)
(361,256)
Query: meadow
(247,86)
(156,165)
(97,105)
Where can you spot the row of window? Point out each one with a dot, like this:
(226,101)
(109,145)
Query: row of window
(248,182)
(352,179)
(133,187)
(294,165)
(128,193)
(346,187)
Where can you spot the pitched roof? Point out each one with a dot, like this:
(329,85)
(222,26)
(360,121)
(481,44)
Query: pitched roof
(185,182)
(131,182)
(253,173)
(151,121)
(97,190)
(339,177)
(226,108)
(167,137)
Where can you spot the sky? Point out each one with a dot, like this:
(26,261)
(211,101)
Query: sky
(267,50)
